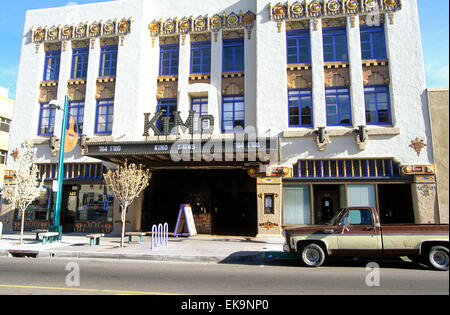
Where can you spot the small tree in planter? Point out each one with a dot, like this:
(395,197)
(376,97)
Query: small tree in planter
(126,182)
(26,187)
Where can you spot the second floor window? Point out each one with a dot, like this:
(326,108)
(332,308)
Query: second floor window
(233,55)
(108,61)
(168,107)
(52,64)
(169,57)
(46,120)
(298,47)
(200,106)
(300,108)
(76,110)
(378,109)
(338,107)
(373,43)
(335,45)
(233,112)
(80,63)
(104,117)
(201,57)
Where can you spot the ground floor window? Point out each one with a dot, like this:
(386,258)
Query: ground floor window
(95,203)
(40,209)
(319,203)
(297,209)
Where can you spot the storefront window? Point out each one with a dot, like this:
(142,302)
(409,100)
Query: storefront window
(40,208)
(297,205)
(96,203)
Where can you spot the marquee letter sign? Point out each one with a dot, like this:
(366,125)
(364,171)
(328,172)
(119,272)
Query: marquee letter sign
(179,124)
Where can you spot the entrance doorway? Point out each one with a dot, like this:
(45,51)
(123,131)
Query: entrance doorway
(223,201)
(328,199)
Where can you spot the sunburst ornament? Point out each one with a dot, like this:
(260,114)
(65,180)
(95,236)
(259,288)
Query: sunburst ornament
(418,145)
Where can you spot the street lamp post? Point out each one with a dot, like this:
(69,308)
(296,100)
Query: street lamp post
(57,208)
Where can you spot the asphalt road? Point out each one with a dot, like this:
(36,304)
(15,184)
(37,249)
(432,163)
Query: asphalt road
(29,276)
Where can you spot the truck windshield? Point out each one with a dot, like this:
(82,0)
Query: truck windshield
(336,217)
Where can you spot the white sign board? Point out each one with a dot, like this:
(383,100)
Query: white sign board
(185,223)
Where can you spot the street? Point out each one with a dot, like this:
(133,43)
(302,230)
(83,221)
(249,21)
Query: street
(28,276)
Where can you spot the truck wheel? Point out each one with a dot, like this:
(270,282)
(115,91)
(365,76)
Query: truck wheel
(438,258)
(312,255)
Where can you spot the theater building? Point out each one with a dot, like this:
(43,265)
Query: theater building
(260,115)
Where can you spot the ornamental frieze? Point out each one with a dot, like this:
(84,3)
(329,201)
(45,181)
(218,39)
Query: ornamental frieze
(331,8)
(90,31)
(201,24)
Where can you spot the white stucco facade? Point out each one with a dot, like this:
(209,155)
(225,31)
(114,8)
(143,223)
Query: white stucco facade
(265,80)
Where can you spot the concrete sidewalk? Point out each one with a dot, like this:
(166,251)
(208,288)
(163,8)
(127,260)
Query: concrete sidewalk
(200,248)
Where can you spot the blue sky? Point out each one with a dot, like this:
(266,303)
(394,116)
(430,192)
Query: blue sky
(434,25)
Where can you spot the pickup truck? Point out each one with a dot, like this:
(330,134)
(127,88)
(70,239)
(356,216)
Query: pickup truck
(357,232)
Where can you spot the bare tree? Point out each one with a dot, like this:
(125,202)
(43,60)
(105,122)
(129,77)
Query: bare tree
(126,182)
(26,186)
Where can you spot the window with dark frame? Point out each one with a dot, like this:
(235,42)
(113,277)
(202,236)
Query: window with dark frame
(108,61)
(233,112)
(104,116)
(300,108)
(373,43)
(269,207)
(3,156)
(335,44)
(298,47)
(338,106)
(4,124)
(201,57)
(233,55)
(52,65)
(378,107)
(168,107)
(46,120)
(80,61)
(169,58)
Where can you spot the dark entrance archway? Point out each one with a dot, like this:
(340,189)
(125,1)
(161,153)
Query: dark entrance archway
(223,201)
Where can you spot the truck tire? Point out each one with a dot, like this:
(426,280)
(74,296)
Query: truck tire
(312,255)
(438,258)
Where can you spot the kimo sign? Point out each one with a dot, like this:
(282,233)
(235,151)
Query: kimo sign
(152,123)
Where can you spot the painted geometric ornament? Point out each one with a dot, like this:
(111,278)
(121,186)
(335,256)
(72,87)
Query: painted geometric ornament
(202,24)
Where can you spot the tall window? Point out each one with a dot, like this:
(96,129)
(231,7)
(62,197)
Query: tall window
(233,112)
(298,47)
(52,63)
(167,106)
(233,55)
(335,44)
(4,124)
(108,61)
(373,43)
(338,107)
(300,108)
(169,57)
(104,116)
(46,120)
(76,110)
(80,63)
(378,109)
(201,57)
(200,106)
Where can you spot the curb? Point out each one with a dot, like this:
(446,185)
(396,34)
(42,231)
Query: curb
(253,258)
